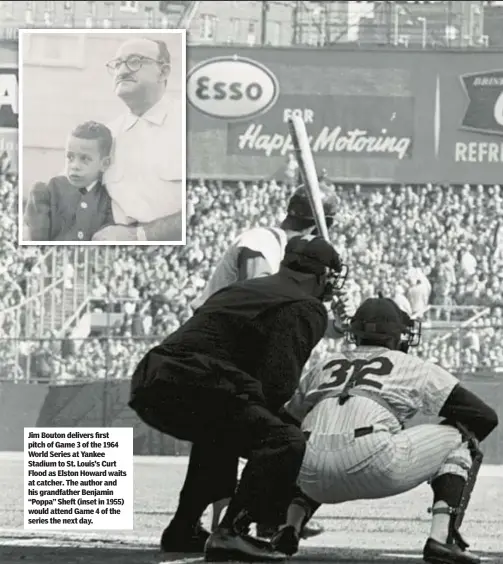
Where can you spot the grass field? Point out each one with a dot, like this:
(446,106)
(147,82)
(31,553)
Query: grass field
(390,530)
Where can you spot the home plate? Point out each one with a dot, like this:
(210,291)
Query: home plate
(401,555)
(410,556)
(183,561)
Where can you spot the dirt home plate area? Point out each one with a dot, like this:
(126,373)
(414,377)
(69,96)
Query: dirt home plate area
(386,531)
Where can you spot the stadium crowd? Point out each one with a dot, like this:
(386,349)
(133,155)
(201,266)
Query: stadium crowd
(390,236)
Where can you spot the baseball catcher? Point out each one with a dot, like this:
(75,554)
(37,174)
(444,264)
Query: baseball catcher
(353,408)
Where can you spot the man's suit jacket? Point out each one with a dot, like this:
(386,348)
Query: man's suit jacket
(58,211)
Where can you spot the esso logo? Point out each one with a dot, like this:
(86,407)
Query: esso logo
(231,88)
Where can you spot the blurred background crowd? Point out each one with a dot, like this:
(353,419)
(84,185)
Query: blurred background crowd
(393,237)
(70,314)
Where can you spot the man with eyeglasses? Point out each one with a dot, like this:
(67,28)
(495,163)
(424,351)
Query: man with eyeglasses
(145,178)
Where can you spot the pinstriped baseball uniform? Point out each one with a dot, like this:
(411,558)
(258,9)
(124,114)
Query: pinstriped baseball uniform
(269,241)
(390,387)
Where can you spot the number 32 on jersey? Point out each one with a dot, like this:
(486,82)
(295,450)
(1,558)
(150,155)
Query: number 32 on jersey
(356,372)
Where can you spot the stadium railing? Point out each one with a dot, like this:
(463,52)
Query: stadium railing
(469,350)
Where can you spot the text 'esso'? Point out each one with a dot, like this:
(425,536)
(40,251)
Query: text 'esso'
(231,88)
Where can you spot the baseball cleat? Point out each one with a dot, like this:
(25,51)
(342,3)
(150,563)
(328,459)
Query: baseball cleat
(175,539)
(225,545)
(436,552)
(286,540)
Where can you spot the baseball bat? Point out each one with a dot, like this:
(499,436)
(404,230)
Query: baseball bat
(307,168)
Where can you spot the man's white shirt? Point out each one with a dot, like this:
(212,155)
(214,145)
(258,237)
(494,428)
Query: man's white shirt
(145,177)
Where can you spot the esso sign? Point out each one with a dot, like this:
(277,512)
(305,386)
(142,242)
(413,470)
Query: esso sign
(231,88)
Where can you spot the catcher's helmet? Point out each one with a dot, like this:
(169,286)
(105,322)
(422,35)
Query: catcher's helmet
(314,255)
(300,207)
(380,321)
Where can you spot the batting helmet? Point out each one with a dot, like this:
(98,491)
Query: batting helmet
(300,207)
(380,321)
(314,255)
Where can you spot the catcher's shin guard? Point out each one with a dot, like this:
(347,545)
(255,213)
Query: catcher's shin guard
(457,513)
(477,458)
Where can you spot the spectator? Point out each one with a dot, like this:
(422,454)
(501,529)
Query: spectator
(291,170)
(389,235)
(418,299)
(468,262)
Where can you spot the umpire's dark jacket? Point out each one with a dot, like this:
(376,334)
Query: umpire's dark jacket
(252,335)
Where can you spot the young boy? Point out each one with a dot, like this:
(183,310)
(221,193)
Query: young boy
(75,206)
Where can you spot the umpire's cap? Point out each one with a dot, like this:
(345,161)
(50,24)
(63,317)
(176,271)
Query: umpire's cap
(299,205)
(312,255)
(379,319)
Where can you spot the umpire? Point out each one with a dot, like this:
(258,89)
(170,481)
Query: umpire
(221,380)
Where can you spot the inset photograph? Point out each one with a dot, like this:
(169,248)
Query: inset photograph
(102,129)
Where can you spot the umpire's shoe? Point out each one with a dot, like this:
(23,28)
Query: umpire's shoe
(225,545)
(174,539)
(439,553)
(286,540)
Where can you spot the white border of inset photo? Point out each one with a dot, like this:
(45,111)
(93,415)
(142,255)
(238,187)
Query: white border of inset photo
(79,62)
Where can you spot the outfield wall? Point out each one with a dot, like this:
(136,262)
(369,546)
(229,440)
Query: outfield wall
(104,404)
(370,115)
(96,404)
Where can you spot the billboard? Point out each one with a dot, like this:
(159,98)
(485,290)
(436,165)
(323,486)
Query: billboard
(376,115)
(9,112)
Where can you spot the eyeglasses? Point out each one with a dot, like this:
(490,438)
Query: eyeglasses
(133,63)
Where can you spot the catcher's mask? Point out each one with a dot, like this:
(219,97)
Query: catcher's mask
(334,282)
(314,255)
(380,321)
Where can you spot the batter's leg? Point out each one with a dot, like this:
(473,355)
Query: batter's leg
(218,509)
